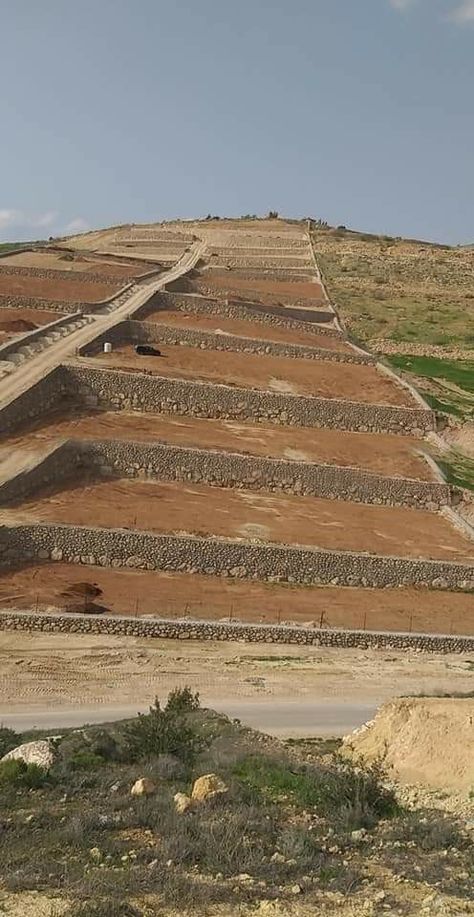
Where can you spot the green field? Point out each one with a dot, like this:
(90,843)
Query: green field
(401,290)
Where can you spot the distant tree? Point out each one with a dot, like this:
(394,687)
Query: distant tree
(272,215)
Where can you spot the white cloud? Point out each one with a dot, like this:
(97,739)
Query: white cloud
(18,219)
(464,12)
(401,4)
(78,224)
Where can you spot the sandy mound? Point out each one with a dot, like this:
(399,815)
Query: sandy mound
(429,741)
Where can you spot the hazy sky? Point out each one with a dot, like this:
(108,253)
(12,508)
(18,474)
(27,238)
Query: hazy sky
(356,111)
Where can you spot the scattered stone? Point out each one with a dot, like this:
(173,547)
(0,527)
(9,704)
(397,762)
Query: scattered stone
(143,787)
(208,787)
(182,803)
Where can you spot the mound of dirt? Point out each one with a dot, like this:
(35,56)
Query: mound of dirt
(423,740)
(89,590)
(17,326)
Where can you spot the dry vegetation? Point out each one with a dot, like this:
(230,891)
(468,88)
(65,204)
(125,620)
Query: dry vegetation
(400,290)
(297,824)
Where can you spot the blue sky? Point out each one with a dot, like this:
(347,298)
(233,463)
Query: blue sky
(356,111)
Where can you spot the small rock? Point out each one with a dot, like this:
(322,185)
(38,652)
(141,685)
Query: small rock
(143,787)
(277,858)
(208,787)
(182,803)
(296,889)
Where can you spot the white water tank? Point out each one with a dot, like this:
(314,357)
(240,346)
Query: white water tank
(107,347)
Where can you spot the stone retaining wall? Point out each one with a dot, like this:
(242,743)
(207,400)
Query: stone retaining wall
(163,629)
(286,275)
(165,462)
(193,302)
(248,472)
(50,274)
(24,340)
(275,263)
(60,464)
(45,395)
(33,302)
(152,393)
(154,333)
(214,556)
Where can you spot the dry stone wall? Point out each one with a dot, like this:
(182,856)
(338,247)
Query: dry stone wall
(192,302)
(49,393)
(33,302)
(32,337)
(48,274)
(153,332)
(223,557)
(247,633)
(223,469)
(60,464)
(151,393)
(165,462)
(266,262)
(286,275)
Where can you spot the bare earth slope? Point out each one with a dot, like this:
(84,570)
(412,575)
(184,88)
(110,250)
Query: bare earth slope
(424,740)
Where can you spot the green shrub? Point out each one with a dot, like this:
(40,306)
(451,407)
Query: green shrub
(354,797)
(182,700)
(8,740)
(86,761)
(19,774)
(161,732)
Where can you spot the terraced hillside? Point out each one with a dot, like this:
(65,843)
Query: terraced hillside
(254,465)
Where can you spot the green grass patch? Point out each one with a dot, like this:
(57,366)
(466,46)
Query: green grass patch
(458,470)
(457,372)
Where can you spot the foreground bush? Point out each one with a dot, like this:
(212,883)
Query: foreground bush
(354,797)
(162,732)
(17,773)
(8,740)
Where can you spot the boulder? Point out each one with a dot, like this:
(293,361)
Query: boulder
(208,787)
(40,752)
(143,787)
(182,803)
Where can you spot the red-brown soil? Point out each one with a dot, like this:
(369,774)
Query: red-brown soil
(230,281)
(267,373)
(217,323)
(57,261)
(18,321)
(64,290)
(176,595)
(203,510)
(378,452)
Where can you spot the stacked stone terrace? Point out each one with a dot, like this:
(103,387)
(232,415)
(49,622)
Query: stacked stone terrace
(261,468)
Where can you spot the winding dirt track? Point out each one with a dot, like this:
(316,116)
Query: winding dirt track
(38,367)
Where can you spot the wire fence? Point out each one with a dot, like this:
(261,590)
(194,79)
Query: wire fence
(140,607)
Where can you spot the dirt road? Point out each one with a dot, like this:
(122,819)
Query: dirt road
(37,367)
(51,679)
(288,719)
